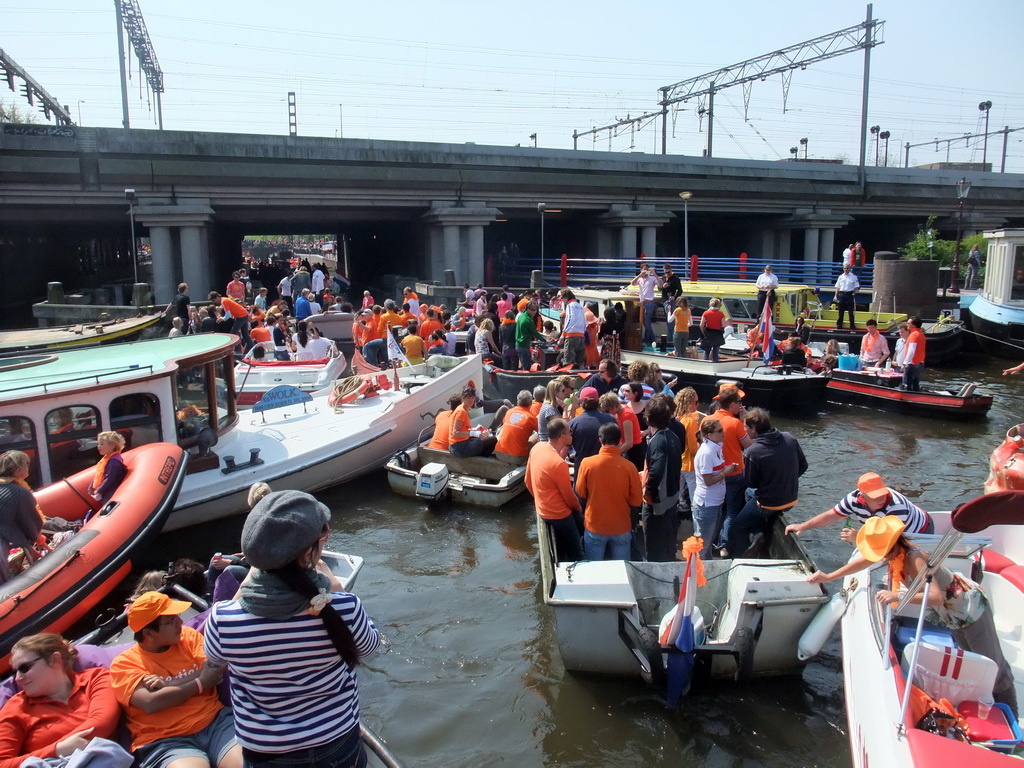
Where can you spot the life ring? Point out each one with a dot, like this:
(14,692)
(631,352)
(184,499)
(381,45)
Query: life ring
(1006,467)
(345,391)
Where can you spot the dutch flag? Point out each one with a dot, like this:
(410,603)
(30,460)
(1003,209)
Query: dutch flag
(767,333)
(679,633)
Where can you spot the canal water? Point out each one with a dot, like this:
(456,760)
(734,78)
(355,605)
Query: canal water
(471,674)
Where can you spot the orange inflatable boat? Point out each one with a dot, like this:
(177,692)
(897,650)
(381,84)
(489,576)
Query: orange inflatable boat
(66,584)
(1006,467)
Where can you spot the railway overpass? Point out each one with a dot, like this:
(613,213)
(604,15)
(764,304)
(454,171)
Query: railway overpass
(416,208)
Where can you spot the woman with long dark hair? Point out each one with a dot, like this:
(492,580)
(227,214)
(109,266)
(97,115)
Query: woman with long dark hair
(292,642)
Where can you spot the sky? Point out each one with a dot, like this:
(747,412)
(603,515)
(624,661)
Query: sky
(496,73)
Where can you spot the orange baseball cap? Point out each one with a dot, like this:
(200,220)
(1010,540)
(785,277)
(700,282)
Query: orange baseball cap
(149,606)
(872,486)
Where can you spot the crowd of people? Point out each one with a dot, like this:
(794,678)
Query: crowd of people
(265,677)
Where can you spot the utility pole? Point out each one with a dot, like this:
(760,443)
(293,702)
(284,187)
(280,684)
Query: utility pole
(868,42)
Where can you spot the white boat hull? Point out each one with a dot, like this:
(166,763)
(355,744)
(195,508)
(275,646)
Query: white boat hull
(309,448)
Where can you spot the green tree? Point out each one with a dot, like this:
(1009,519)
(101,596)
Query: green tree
(10,113)
(928,245)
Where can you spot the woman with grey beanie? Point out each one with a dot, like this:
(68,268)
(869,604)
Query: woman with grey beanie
(291,642)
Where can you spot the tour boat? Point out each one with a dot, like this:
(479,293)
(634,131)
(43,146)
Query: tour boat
(997,312)
(432,475)
(80,335)
(944,338)
(183,389)
(881,388)
(63,586)
(752,611)
(254,378)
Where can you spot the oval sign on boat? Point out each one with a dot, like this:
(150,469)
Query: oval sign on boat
(281,396)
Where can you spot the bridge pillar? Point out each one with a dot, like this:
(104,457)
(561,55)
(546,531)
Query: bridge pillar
(626,219)
(178,231)
(827,245)
(627,244)
(785,244)
(461,243)
(767,245)
(164,273)
(811,244)
(649,241)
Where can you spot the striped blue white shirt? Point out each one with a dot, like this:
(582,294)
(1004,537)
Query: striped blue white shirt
(289,687)
(914,518)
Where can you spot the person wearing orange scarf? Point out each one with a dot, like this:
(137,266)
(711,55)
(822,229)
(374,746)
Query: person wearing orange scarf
(874,349)
(110,470)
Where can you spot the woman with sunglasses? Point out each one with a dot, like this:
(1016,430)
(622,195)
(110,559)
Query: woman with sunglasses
(57,710)
(292,642)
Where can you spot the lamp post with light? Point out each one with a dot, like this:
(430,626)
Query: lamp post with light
(132,200)
(963,187)
(686,223)
(874,132)
(541,207)
(884,136)
(803,143)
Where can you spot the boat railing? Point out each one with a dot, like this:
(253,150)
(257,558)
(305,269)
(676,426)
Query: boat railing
(47,385)
(820,274)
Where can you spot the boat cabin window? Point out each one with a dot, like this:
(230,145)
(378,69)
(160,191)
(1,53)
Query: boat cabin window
(201,391)
(137,418)
(699,304)
(17,434)
(71,439)
(739,308)
(1017,284)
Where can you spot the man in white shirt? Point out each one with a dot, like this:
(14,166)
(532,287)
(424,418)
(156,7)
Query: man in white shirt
(848,256)
(766,285)
(284,288)
(575,325)
(646,281)
(319,280)
(846,288)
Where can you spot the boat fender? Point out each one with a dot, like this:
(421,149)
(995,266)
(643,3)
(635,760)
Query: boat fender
(821,626)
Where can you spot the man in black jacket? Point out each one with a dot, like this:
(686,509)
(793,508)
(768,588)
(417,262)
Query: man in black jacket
(772,466)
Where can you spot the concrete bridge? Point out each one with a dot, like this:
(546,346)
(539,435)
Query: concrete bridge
(421,208)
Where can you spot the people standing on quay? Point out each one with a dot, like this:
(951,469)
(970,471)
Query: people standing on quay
(847,286)
(181,305)
(766,285)
(973,266)
(646,282)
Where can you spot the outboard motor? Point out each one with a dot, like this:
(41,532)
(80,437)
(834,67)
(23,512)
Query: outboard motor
(432,482)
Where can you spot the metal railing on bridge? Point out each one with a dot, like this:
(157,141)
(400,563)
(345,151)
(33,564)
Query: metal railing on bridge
(579,271)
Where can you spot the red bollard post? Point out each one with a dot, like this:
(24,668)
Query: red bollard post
(565,271)
(693,268)
(743,266)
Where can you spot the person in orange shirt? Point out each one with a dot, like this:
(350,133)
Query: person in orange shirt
(730,414)
(461,441)
(259,332)
(169,692)
(609,487)
(236,288)
(518,431)
(390,318)
(442,425)
(374,346)
(414,346)
(539,393)
(430,325)
(408,318)
(913,356)
(548,481)
(57,710)
(409,296)
(688,415)
(592,354)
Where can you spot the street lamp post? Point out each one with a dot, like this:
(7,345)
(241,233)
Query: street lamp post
(962,188)
(884,136)
(793,151)
(341,121)
(541,207)
(686,223)
(132,199)
(874,132)
(985,106)
(80,103)
(803,143)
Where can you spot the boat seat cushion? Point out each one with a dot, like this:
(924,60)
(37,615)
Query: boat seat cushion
(951,673)
(1014,574)
(995,562)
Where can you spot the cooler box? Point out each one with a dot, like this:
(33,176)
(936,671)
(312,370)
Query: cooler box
(849,363)
(951,673)
(999,731)
(930,634)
